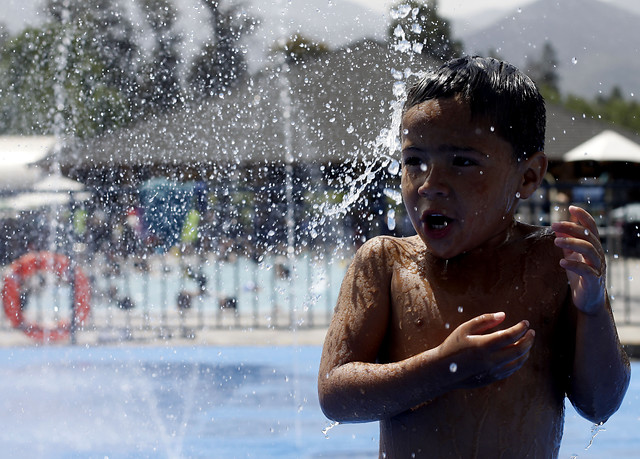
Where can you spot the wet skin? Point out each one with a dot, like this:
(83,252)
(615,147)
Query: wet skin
(463,340)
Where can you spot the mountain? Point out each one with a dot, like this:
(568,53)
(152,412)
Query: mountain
(598,44)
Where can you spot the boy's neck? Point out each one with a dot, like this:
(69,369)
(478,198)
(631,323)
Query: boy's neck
(481,252)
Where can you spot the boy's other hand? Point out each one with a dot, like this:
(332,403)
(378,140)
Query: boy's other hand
(477,358)
(583,259)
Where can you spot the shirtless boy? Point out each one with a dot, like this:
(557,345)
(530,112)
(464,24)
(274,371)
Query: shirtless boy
(464,340)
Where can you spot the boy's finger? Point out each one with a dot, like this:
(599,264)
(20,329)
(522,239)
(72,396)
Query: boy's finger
(585,248)
(576,230)
(580,268)
(584,218)
(483,323)
(503,339)
(513,365)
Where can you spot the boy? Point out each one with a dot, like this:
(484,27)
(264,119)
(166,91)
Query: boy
(464,339)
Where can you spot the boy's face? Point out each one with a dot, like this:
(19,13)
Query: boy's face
(459,178)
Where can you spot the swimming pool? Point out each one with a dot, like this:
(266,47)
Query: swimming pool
(206,402)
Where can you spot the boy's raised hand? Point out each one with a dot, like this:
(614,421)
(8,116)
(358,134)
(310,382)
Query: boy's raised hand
(478,357)
(583,259)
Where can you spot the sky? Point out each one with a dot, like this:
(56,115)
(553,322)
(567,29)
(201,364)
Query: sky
(15,10)
(465,8)
(453,8)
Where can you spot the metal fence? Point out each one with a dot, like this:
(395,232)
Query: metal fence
(217,276)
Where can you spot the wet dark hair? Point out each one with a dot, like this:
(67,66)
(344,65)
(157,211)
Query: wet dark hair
(494,89)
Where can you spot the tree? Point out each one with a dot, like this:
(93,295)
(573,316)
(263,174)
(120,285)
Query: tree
(112,34)
(298,48)
(159,85)
(55,81)
(544,70)
(73,75)
(221,61)
(421,26)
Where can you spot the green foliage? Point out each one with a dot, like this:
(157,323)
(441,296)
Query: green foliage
(298,48)
(160,86)
(221,62)
(544,69)
(423,26)
(54,79)
(613,108)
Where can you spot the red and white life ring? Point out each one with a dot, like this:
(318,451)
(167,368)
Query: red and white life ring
(26,266)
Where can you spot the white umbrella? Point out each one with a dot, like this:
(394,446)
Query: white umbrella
(628,213)
(16,155)
(58,183)
(51,191)
(32,201)
(606,146)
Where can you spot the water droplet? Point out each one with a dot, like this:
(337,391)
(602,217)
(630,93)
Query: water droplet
(391,219)
(326,430)
(398,88)
(517,195)
(574,60)
(460,309)
(350,129)
(453,368)
(447,326)
(394,167)
(586,232)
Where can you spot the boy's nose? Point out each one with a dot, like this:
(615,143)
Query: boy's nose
(433,185)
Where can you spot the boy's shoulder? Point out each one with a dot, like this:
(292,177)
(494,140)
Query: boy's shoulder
(534,236)
(537,242)
(391,246)
(383,253)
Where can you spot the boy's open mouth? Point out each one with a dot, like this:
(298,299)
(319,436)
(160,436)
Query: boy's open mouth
(437,222)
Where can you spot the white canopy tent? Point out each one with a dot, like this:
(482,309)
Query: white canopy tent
(17,153)
(605,147)
(27,187)
(629,213)
(50,191)
(57,183)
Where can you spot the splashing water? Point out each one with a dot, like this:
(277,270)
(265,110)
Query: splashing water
(384,148)
(326,430)
(595,430)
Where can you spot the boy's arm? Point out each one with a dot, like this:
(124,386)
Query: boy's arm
(601,372)
(352,386)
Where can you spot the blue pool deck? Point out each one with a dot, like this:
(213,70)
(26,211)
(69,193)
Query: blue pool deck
(208,402)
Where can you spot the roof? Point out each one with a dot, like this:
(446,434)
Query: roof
(606,146)
(566,130)
(327,110)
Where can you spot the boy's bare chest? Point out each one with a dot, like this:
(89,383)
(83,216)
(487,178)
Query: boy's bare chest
(426,307)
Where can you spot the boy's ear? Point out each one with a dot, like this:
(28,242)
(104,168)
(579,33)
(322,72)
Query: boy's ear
(534,170)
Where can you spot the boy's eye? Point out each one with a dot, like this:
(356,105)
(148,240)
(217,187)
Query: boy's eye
(412,161)
(461,161)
